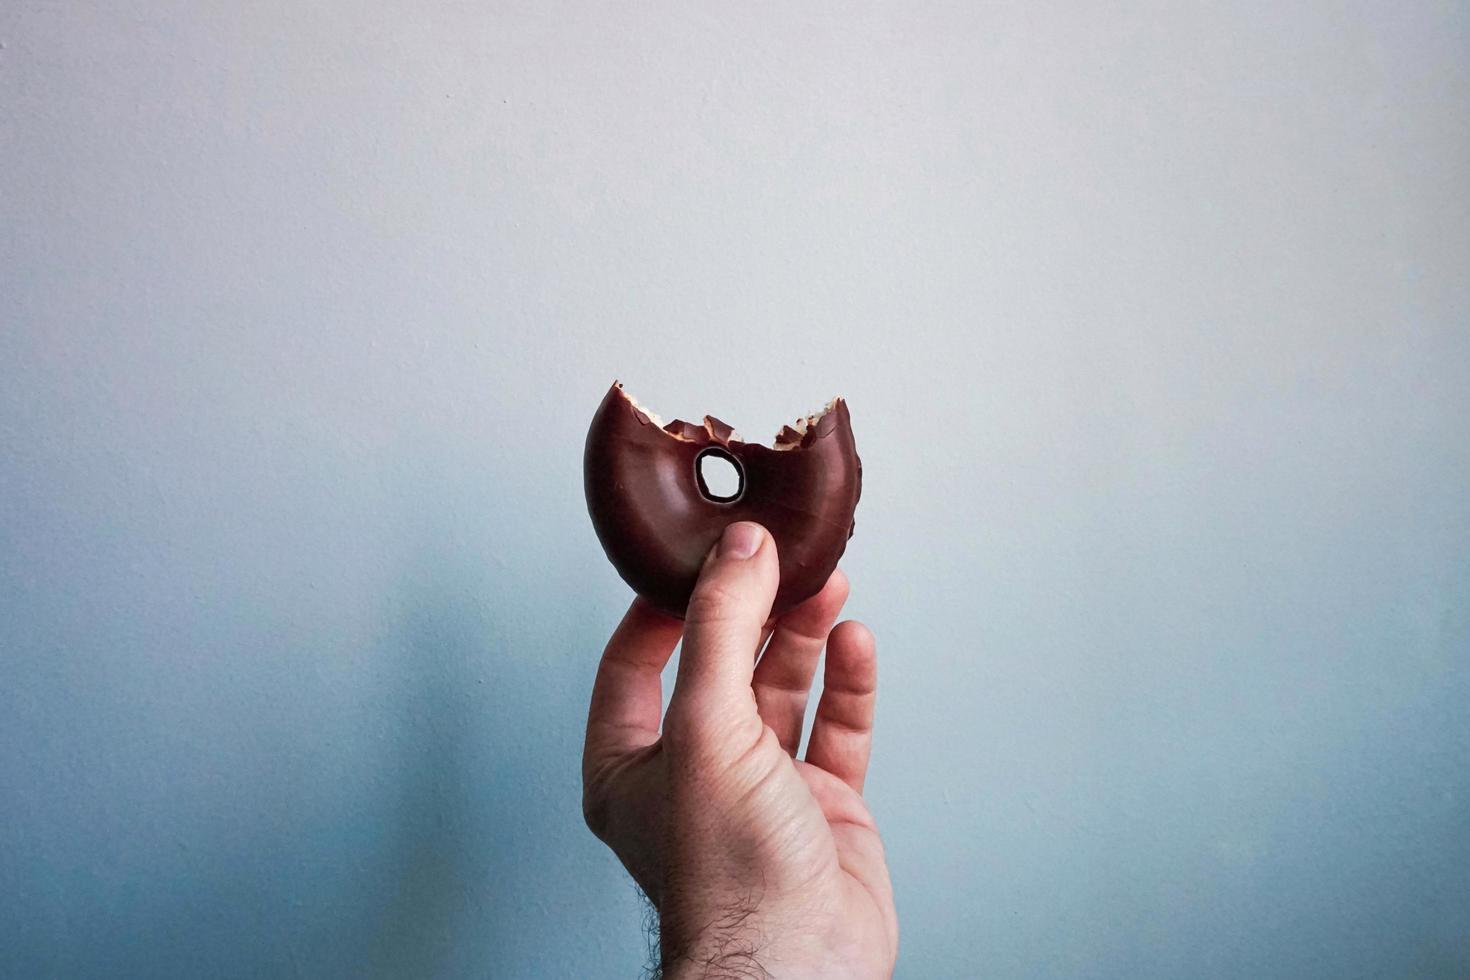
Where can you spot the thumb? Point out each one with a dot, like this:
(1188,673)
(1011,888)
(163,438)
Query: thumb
(723,624)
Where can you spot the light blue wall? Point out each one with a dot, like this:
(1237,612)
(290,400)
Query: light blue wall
(1155,325)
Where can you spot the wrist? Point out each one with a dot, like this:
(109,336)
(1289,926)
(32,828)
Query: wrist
(721,963)
(739,944)
(728,944)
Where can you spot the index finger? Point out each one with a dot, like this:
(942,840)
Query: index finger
(627,696)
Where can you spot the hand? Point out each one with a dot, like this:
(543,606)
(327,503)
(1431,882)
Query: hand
(759,865)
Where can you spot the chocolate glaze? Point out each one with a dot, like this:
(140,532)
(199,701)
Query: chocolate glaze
(657,521)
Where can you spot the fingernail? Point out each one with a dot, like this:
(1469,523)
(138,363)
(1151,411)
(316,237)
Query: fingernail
(740,540)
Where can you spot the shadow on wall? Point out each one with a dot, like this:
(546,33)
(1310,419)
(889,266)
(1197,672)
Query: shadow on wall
(485,787)
(416,850)
(288,776)
(434,860)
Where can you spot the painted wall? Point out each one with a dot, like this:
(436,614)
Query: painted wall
(1155,324)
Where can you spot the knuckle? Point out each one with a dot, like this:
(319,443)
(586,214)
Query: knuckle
(676,724)
(596,812)
(687,729)
(713,602)
(707,732)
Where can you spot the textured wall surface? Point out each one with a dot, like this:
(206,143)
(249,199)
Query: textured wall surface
(1155,324)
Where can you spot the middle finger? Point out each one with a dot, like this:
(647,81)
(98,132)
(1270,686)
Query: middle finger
(783,677)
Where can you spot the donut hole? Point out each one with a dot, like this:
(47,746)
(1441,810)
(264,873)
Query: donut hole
(720,478)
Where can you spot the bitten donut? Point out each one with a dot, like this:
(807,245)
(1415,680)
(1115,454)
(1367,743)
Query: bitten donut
(657,518)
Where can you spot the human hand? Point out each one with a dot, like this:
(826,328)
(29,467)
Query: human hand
(758,864)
